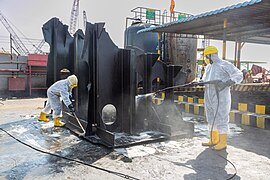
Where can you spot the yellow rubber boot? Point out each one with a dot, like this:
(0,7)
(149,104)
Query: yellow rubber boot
(57,122)
(222,144)
(43,117)
(213,139)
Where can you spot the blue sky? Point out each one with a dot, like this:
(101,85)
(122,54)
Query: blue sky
(29,15)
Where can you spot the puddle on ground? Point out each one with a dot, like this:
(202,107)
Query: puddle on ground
(123,139)
(46,137)
(18,129)
(201,127)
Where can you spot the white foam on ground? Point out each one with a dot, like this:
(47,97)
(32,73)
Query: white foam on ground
(54,135)
(30,139)
(18,129)
(136,151)
(47,125)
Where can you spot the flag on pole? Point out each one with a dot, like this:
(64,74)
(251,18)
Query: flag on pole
(172,6)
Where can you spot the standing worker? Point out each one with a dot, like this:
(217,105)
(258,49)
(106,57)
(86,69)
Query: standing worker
(218,106)
(60,89)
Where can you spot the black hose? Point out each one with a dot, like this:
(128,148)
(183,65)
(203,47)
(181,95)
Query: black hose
(70,159)
(212,127)
(214,82)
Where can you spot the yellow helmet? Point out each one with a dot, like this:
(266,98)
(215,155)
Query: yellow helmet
(210,50)
(73,81)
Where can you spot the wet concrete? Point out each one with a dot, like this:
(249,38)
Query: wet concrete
(48,138)
(248,149)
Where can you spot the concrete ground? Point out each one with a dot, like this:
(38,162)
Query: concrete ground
(248,150)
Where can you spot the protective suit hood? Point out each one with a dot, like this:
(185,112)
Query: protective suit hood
(215,58)
(224,71)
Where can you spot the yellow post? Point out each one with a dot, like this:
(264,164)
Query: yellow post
(260,122)
(159,53)
(190,99)
(196,110)
(159,38)
(163,95)
(242,107)
(232,117)
(201,101)
(260,109)
(180,98)
(187,108)
(245,119)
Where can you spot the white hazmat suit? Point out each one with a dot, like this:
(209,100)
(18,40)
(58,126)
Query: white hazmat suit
(224,71)
(59,89)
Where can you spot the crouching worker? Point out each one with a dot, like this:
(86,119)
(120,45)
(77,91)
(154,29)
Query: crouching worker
(60,89)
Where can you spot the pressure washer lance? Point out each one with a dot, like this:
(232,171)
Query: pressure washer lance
(191,84)
(77,119)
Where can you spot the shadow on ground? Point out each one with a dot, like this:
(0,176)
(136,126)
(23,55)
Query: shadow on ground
(209,165)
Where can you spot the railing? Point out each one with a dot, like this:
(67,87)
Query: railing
(154,16)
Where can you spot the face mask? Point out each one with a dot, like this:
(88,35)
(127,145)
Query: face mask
(73,86)
(208,59)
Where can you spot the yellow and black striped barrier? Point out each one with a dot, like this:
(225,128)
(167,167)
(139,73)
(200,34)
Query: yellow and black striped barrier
(246,114)
(256,108)
(255,87)
(250,119)
(258,118)
(190,89)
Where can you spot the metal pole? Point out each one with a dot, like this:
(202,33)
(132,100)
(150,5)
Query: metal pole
(238,54)
(164,45)
(126,22)
(159,45)
(10,46)
(235,53)
(30,80)
(76,70)
(224,38)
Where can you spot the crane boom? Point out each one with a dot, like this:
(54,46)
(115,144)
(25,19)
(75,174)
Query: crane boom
(38,48)
(74,16)
(17,41)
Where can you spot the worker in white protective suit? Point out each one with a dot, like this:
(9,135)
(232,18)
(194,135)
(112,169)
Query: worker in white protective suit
(60,89)
(218,106)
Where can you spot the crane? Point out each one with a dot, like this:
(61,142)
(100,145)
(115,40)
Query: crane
(74,16)
(39,46)
(17,41)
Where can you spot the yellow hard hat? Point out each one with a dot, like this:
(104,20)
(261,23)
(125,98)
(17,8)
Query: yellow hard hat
(210,50)
(73,81)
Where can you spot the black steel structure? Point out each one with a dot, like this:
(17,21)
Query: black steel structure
(112,76)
